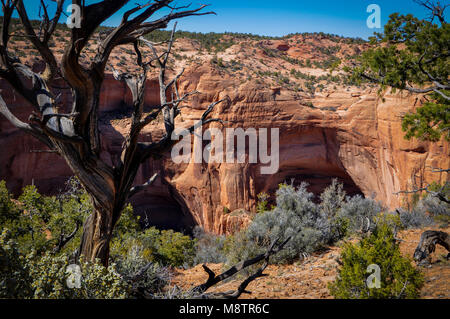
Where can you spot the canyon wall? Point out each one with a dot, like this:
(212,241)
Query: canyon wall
(351,134)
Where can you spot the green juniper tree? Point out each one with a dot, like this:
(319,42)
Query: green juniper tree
(413,55)
(398,278)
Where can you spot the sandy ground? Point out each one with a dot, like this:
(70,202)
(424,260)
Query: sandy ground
(308,279)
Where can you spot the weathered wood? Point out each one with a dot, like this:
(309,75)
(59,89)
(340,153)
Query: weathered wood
(428,242)
(213,279)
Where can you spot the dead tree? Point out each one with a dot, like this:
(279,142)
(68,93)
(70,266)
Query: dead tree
(437,10)
(75,136)
(428,242)
(199,292)
(440,194)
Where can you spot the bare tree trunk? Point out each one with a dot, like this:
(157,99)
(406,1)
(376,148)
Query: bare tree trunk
(97,231)
(76,136)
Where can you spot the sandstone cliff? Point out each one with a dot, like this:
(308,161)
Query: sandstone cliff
(340,132)
(353,135)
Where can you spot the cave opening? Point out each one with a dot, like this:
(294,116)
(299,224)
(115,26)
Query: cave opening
(317,182)
(164,209)
(310,155)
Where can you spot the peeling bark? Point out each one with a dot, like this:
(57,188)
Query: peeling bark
(96,236)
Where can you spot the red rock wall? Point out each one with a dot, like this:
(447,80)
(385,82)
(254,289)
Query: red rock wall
(352,135)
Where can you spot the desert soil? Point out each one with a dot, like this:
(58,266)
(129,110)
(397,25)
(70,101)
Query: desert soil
(308,279)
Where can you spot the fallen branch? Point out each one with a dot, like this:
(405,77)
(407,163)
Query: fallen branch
(428,242)
(439,170)
(214,279)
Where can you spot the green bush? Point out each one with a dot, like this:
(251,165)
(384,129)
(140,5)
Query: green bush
(45,276)
(165,247)
(50,276)
(295,216)
(398,278)
(175,248)
(14,277)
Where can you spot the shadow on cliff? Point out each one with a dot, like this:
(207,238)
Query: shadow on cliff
(20,165)
(164,208)
(311,155)
(159,205)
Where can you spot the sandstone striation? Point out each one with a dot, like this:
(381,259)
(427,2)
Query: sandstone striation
(343,132)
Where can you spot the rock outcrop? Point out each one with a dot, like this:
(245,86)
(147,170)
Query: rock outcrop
(352,135)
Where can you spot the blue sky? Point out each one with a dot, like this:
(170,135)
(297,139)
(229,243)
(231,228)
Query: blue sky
(277,18)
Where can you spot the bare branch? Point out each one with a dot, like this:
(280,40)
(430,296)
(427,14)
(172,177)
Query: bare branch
(56,126)
(440,195)
(428,242)
(32,130)
(63,239)
(136,189)
(130,12)
(76,135)
(54,22)
(439,170)
(130,30)
(403,289)
(214,280)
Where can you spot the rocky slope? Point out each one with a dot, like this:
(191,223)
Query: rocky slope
(329,128)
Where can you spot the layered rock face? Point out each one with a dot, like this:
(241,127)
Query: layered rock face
(352,135)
